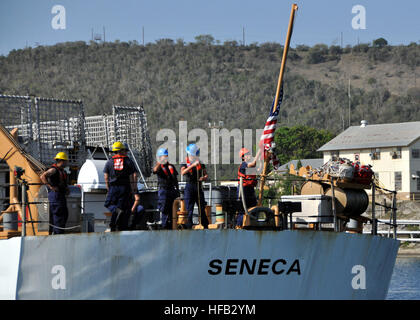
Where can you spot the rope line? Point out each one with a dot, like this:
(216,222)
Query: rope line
(68,228)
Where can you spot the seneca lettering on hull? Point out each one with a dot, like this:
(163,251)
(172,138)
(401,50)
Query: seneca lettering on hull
(254,266)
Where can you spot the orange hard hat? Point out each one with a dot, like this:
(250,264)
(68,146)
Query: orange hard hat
(243,152)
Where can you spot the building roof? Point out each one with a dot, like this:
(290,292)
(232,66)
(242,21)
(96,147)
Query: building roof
(375,136)
(314,163)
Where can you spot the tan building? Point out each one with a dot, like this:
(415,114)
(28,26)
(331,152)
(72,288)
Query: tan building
(392,149)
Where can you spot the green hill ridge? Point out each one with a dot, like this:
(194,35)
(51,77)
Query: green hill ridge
(203,81)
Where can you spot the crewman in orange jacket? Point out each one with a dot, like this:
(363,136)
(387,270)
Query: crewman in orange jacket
(249,181)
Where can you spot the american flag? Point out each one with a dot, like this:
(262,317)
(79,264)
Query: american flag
(267,137)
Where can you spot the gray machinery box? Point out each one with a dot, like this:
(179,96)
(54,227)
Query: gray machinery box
(315,208)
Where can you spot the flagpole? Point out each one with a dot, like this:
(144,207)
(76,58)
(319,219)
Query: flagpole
(276,100)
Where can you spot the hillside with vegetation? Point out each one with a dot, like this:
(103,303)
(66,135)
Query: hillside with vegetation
(206,81)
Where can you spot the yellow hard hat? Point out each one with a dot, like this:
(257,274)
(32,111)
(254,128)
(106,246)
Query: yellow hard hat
(117,146)
(61,156)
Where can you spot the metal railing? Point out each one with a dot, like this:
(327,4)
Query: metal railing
(393,216)
(399,233)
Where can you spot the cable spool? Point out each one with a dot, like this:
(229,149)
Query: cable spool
(312,187)
(350,202)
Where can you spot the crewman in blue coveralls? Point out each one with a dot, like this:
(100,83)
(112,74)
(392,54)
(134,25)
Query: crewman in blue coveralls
(249,181)
(137,210)
(168,186)
(195,173)
(55,178)
(121,182)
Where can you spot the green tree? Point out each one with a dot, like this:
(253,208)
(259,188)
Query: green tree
(361,48)
(165,42)
(380,43)
(414,93)
(317,54)
(335,50)
(371,81)
(206,39)
(314,57)
(302,47)
(300,142)
(284,186)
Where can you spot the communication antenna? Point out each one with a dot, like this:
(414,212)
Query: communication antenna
(349,103)
(97,37)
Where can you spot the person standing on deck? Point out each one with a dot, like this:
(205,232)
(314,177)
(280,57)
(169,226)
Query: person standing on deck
(138,213)
(195,173)
(168,186)
(121,182)
(249,181)
(55,178)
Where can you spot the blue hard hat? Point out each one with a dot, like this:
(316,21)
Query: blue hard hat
(193,150)
(140,186)
(162,152)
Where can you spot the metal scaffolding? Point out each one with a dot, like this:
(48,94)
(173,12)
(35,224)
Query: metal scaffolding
(130,126)
(126,124)
(99,131)
(60,127)
(16,112)
(48,126)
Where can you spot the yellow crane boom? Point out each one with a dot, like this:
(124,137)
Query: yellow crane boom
(14,155)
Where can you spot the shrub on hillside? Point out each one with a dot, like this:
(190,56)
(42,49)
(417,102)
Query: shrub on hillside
(380,43)
(361,48)
(302,47)
(335,50)
(414,93)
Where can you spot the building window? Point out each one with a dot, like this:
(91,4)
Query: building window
(335,155)
(398,180)
(415,153)
(375,154)
(418,180)
(396,153)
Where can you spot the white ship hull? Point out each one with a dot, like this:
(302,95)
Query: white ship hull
(204,264)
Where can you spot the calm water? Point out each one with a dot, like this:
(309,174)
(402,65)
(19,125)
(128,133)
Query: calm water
(405,281)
